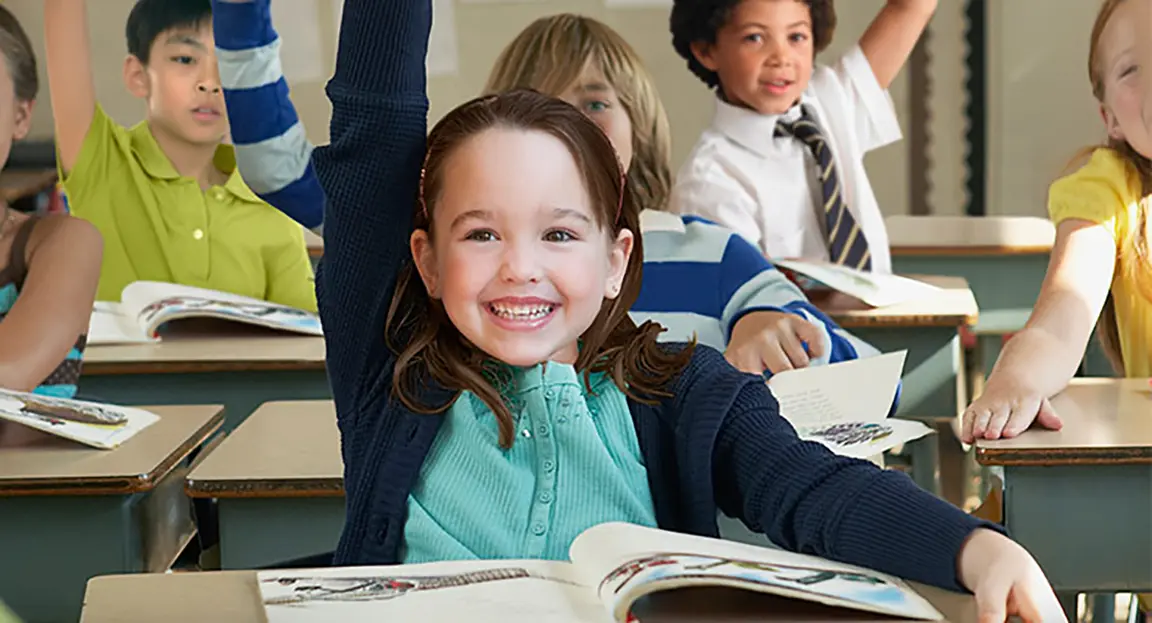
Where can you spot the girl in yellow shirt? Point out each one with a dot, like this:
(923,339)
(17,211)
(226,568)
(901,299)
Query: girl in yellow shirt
(1101,266)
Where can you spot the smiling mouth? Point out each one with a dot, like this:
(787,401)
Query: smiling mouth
(521,313)
(206,111)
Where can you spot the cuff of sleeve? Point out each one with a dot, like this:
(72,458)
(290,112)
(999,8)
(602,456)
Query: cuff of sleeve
(242,25)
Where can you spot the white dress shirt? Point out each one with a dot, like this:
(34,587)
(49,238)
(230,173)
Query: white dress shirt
(742,176)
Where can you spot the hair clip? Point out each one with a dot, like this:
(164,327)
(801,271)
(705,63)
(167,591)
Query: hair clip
(420,196)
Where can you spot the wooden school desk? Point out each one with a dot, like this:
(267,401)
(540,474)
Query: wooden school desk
(69,512)
(934,387)
(241,371)
(16,184)
(279,480)
(315,246)
(1004,259)
(1080,499)
(233,596)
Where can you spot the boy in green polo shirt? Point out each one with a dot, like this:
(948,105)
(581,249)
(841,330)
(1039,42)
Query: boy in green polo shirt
(165,193)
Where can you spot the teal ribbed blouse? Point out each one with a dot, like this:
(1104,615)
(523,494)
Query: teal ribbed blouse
(575,463)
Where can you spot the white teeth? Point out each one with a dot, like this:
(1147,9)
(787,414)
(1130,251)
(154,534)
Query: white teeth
(521,312)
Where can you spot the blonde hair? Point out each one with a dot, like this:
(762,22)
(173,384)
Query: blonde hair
(1134,251)
(549,56)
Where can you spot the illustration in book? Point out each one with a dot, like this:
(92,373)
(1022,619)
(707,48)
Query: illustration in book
(147,308)
(94,424)
(612,567)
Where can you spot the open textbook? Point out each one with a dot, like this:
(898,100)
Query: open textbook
(613,565)
(875,289)
(845,405)
(93,424)
(146,306)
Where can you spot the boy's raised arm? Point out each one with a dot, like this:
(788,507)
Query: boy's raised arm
(69,60)
(892,36)
(272,149)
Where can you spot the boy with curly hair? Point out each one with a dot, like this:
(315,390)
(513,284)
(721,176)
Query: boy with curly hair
(783,160)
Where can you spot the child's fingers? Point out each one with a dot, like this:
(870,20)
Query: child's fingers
(812,336)
(793,349)
(992,601)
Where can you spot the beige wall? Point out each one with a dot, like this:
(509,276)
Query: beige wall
(483,28)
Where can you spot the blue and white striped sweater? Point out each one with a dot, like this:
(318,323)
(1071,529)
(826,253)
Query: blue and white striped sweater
(699,278)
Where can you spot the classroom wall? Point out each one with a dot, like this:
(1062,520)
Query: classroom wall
(1039,108)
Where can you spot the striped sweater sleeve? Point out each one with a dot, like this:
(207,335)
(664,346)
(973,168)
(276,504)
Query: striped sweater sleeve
(750,284)
(272,150)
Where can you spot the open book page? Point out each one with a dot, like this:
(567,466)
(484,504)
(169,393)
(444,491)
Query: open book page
(845,405)
(110,325)
(94,424)
(860,390)
(633,561)
(875,289)
(152,304)
(476,591)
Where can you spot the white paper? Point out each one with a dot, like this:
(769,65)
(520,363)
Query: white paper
(860,390)
(864,440)
(875,289)
(109,325)
(42,413)
(301,46)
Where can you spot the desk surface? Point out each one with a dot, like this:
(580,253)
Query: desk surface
(284,449)
(954,307)
(969,235)
(233,596)
(19,183)
(36,463)
(207,353)
(1106,421)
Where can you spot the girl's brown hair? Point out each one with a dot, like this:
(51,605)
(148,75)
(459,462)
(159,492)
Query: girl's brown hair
(418,328)
(1134,252)
(18,54)
(549,56)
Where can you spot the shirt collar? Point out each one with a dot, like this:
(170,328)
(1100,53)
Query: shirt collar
(751,129)
(157,165)
(655,220)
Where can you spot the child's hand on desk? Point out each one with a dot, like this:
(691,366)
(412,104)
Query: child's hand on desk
(773,341)
(1006,580)
(1006,411)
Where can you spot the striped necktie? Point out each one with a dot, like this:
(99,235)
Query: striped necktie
(846,243)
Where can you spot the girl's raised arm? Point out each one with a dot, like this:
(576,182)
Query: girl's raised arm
(370,172)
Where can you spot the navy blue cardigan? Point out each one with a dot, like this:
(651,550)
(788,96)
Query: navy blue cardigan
(719,442)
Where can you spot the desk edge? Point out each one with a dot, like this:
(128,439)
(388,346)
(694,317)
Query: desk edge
(114,485)
(278,488)
(1036,457)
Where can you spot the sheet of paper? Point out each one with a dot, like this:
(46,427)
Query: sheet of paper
(301,46)
(861,390)
(108,325)
(875,289)
(76,420)
(864,440)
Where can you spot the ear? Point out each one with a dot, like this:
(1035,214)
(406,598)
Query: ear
(425,259)
(136,77)
(23,119)
(618,263)
(1111,124)
(703,51)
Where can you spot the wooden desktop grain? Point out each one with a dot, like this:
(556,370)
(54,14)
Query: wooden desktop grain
(233,596)
(1105,422)
(284,449)
(43,464)
(208,353)
(969,235)
(952,307)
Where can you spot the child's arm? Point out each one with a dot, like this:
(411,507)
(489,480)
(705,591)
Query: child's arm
(272,149)
(370,172)
(69,60)
(55,304)
(806,499)
(892,36)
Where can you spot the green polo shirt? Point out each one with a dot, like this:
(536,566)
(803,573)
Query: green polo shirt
(160,226)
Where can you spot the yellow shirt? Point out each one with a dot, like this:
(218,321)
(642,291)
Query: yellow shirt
(160,226)
(1107,191)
